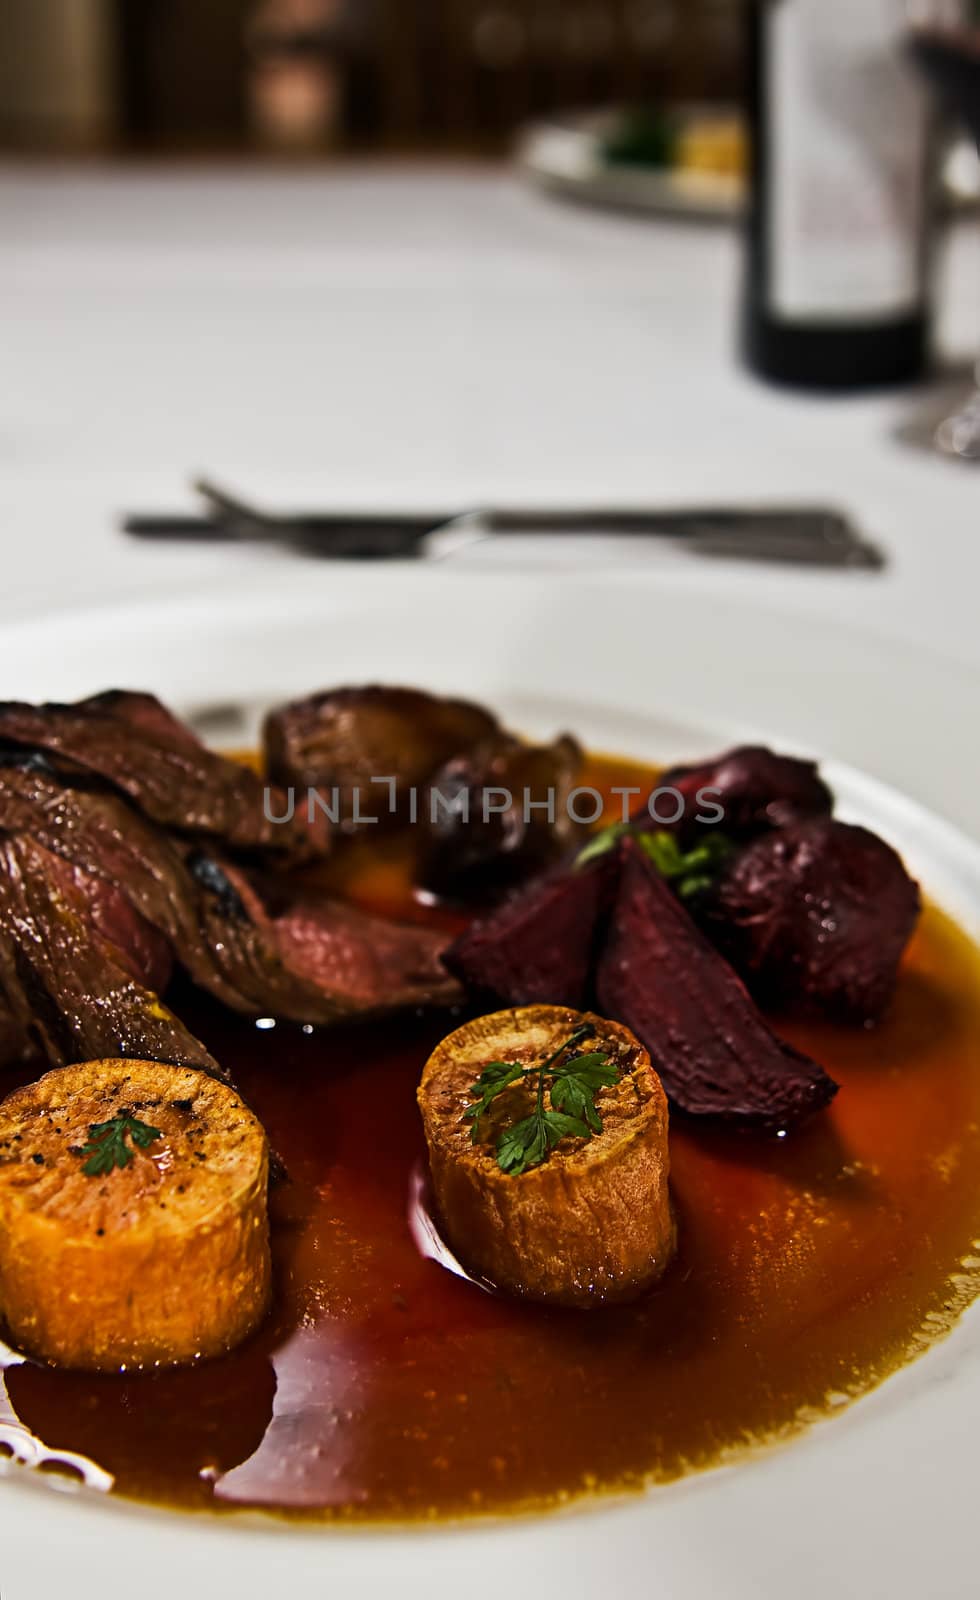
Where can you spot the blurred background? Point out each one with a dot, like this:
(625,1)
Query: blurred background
(344,76)
(169,168)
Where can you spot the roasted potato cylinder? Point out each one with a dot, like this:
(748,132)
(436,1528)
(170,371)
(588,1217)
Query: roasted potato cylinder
(133,1216)
(592,1223)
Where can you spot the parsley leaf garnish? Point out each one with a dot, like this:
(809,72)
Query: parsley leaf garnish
(575,1087)
(527,1143)
(689,871)
(602,842)
(573,1112)
(492,1081)
(107,1147)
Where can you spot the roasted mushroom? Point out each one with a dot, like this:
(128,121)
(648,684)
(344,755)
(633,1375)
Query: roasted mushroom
(371,745)
(496,816)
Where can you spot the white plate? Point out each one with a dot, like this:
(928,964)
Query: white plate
(878,1501)
(567,158)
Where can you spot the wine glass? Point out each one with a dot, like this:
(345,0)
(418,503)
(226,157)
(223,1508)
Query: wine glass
(945,42)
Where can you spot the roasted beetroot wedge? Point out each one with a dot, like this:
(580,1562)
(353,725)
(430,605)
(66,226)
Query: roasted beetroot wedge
(538,947)
(815,918)
(716,1055)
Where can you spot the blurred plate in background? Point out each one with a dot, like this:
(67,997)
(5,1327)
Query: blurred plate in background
(690,161)
(598,157)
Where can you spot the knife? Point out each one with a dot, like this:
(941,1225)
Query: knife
(813,535)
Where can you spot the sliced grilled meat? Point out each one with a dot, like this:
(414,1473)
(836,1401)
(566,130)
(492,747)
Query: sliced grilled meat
(361,964)
(171,778)
(14,1042)
(145,951)
(316,960)
(102,834)
(145,713)
(83,829)
(152,895)
(67,985)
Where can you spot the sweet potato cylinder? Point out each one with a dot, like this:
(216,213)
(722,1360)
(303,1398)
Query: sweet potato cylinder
(133,1216)
(590,1224)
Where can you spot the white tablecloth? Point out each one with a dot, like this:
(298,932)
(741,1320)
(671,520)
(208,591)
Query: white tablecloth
(425,337)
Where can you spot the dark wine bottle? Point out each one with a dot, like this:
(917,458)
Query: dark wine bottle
(837,274)
(951,60)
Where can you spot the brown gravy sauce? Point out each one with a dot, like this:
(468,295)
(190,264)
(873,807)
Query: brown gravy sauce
(384,1387)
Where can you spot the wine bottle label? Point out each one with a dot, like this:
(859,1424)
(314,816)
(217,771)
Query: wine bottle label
(847,140)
